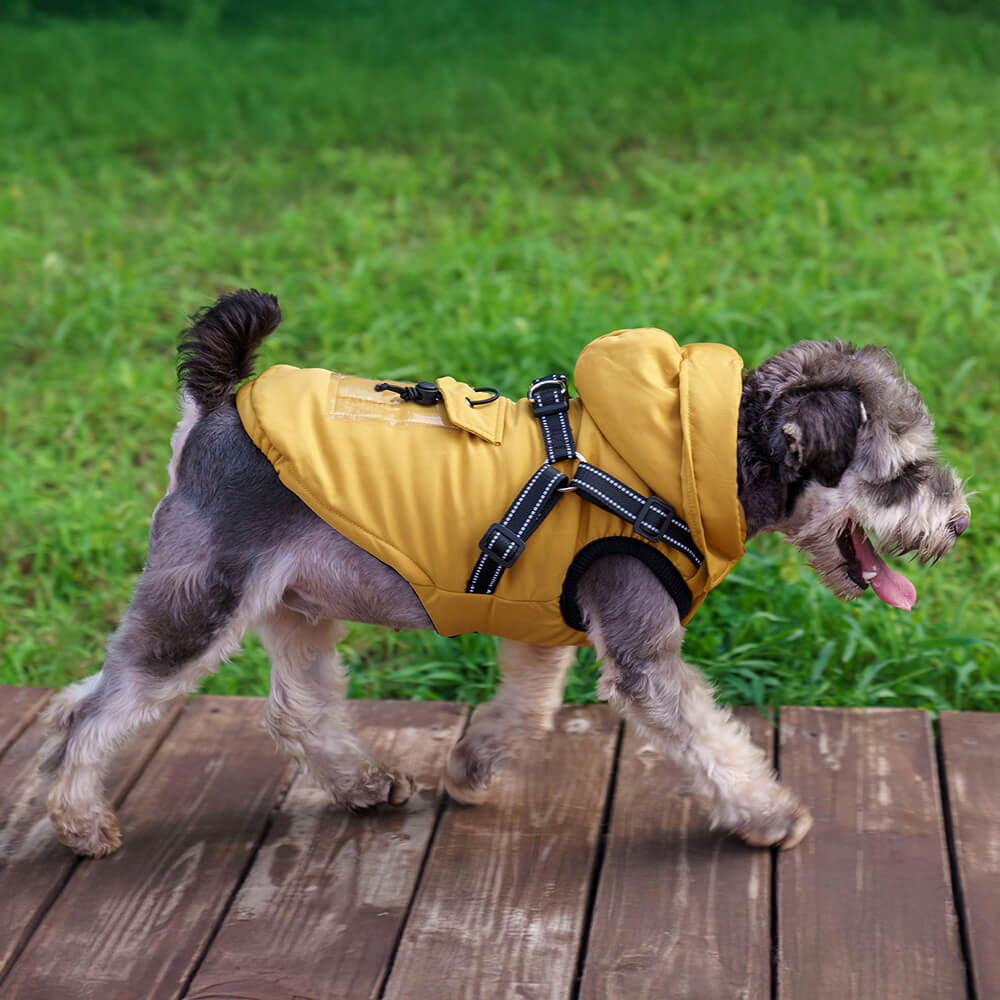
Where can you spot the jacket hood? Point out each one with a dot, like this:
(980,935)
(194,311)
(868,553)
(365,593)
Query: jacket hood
(636,384)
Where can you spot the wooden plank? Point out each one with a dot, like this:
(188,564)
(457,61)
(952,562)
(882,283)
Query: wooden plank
(681,910)
(500,908)
(136,923)
(864,903)
(18,707)
(33,864)
(321,909)
(969,742)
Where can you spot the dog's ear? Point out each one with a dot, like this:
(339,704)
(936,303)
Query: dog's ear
(817,433)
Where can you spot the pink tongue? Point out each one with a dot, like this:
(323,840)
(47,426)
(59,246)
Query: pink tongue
(890,586)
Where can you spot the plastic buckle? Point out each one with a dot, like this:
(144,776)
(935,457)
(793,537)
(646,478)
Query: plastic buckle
(558,405)
(654,508)
(500,535)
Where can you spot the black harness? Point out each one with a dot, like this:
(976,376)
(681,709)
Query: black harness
(652,518)
(504,541)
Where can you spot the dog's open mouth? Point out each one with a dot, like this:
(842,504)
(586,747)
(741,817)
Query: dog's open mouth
(866,567)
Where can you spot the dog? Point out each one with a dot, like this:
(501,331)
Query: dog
(829,445)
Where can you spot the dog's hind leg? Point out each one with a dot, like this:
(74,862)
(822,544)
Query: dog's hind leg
(183,618)
(529,695)
(635,626)
(307,716)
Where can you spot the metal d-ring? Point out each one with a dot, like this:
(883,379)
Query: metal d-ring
(571,489)
(483,402)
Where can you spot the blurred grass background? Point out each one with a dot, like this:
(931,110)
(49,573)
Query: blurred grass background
(479,190)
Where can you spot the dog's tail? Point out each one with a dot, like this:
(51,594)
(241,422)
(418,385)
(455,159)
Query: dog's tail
(217,351)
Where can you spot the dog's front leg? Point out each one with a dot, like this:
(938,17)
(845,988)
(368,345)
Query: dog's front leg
(529,695)
(636,628)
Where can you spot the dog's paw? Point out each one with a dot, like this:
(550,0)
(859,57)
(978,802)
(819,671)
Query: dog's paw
(92,834)
(376,787)
(785,830)
(470,770)
(401,789)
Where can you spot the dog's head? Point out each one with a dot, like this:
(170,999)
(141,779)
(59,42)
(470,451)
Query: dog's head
(837,451)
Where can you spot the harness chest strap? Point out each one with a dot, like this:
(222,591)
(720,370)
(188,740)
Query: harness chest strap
(652,518)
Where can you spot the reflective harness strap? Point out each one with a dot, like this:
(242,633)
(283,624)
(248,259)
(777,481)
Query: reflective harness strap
(550,404)
(652,518)
(504,540)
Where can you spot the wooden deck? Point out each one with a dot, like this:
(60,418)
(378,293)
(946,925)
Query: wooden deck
(588,874)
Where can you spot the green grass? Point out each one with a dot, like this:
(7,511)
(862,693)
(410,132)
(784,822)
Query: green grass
(480,190)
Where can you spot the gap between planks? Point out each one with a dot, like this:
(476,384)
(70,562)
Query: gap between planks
(959,766)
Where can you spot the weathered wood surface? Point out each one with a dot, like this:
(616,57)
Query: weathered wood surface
(137,923)
(320,911)
(701,925)
(865,906)
(970,750)
(561,885)
(501,906)
(17,710)
(34,866)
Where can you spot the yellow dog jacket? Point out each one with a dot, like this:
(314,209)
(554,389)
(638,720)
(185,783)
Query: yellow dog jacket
(416,486)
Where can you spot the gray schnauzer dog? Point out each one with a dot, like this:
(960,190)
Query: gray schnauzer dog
(834,448)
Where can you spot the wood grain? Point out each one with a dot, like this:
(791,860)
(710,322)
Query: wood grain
(18,707)
(970,745)
(681,911)
(33,864)
(500,908)
(321,909)
(864,903)
(135,924)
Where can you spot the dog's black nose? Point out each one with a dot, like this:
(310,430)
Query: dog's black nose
(960,524)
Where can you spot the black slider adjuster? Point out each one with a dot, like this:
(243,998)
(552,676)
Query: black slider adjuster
(504,542)
(502,545)
(653,520)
